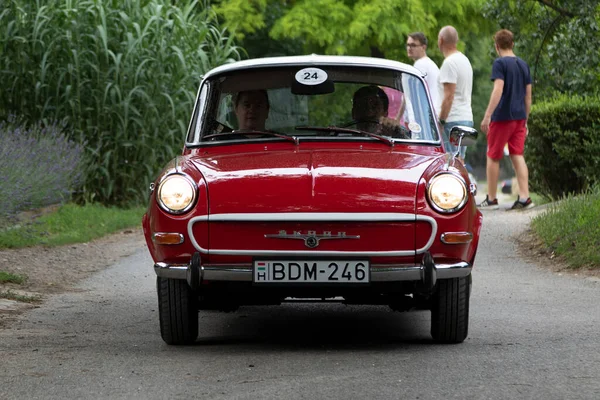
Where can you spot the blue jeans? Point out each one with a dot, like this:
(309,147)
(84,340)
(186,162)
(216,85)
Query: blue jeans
(450,148)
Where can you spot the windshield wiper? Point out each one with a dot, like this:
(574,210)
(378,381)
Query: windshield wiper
(384,139)
(292,139)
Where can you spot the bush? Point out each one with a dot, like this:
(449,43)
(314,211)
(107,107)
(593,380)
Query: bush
(39,166)
(563,147)
(123,73)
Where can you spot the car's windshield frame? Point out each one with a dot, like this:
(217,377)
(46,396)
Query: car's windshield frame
(209,96)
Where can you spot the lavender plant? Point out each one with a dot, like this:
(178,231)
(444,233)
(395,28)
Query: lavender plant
(39,166)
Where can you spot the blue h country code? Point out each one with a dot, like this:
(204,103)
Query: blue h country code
(283,271)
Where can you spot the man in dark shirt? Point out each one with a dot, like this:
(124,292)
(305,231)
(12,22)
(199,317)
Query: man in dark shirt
(505,120)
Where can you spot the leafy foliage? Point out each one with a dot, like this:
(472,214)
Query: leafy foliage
(563,147)
(123,74)
(559,38)
(244,16)
(352,27)
(255,37)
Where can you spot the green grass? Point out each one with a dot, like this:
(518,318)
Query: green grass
(538,200)
(7,277)
(71,224)
(570,228)
(9,294)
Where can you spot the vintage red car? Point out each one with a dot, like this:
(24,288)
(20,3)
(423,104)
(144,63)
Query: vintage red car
(314,177)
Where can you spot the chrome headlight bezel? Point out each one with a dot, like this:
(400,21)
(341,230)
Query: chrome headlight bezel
(439,180)
(186,179)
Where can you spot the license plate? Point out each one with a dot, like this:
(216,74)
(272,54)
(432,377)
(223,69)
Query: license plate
(282,271)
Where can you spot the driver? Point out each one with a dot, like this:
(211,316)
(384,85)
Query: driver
(369,104)
(370,109)
(251,109)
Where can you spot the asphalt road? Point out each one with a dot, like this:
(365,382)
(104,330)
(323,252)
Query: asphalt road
(533,335)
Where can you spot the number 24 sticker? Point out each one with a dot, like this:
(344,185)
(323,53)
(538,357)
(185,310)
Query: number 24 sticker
(311,76)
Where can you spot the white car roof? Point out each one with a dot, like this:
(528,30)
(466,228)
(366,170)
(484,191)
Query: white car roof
(311,60)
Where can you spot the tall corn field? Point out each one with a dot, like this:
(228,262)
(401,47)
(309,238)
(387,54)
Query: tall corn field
(123,74)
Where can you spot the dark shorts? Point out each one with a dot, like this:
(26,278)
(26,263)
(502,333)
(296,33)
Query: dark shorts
(503,132)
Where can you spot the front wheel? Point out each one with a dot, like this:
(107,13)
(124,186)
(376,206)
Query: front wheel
(450,310)
(177,311)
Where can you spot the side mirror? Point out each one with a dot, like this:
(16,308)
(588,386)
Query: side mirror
(463,135)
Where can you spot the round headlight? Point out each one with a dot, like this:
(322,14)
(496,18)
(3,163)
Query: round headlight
(176,194)
(447,192)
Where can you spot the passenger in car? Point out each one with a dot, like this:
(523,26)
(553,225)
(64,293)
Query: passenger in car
(251,109)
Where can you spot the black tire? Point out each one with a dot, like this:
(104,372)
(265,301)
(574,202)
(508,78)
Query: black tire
(177,311)
(450,310)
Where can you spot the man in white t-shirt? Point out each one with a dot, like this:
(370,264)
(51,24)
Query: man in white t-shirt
(455,87)
(416,47)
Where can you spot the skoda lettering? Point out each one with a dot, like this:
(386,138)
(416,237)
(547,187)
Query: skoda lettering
(311,238)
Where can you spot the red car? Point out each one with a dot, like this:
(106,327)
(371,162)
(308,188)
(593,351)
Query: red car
(314,177)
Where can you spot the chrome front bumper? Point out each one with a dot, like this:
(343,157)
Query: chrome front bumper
(379,273)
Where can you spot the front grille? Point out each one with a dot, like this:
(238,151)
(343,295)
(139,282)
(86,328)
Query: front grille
(371,236)
(279,237)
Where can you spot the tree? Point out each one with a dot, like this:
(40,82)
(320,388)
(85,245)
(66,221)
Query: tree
(559,38)
(351,27)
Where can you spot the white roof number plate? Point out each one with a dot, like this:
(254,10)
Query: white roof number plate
(311,76)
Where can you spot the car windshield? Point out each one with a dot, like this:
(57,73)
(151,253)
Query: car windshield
(313,103)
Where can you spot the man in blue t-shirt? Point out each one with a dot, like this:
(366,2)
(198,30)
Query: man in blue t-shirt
(505,120)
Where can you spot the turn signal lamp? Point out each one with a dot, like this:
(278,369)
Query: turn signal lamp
(456,237)
(167,238)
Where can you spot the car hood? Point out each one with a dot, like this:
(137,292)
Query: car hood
(313,181)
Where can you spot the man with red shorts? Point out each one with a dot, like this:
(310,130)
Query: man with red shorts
(505,120)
